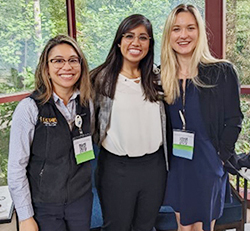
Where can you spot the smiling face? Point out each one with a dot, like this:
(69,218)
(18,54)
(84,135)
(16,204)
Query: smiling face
(184,34)
(64,78)
(135,50)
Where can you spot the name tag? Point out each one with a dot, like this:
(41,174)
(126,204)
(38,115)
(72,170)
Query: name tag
(183,144)
(83,149)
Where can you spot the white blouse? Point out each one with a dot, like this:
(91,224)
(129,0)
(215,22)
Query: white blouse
(135,124)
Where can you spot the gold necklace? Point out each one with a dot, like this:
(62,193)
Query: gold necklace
(130,76)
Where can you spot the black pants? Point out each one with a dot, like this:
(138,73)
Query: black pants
(131,190)
(74,216)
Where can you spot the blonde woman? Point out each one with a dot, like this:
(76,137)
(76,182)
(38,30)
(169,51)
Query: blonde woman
(203,94)
(49,180)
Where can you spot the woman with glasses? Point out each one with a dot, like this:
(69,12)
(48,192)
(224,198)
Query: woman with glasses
(49,172)
(203,94)
(130,130)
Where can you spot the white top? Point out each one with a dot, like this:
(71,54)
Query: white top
(135,124)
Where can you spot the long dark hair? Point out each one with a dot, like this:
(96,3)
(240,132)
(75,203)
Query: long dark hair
(104,77)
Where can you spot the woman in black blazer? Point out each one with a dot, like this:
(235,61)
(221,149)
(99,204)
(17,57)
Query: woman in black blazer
(203,94)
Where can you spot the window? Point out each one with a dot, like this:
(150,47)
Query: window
(97,22)
(237,51)
(25,25)
(238,37)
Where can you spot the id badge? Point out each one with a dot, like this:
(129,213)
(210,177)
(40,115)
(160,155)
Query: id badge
(183,144)
(83,148)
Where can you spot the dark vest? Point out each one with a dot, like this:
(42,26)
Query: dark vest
(53,174)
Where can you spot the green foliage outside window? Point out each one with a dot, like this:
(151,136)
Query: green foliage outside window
(6,111)
(238,37)
(243,144)
(97,22)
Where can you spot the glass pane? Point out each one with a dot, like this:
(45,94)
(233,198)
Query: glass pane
(238,37)
(97,22)
(243,143)
(25,26)
(6,111)
(237,51)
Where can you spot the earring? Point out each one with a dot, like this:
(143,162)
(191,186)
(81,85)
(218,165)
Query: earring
(119,45)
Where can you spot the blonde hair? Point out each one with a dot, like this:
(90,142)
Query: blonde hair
(43,83)
(169,62)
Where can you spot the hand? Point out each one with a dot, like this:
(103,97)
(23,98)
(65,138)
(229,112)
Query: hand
(28,225)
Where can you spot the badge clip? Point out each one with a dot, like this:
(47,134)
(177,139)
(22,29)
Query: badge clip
(78,123)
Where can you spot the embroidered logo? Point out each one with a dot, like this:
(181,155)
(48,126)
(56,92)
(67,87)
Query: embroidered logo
(51,122)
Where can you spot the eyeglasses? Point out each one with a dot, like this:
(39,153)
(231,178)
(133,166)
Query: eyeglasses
(59,63)
(130,37)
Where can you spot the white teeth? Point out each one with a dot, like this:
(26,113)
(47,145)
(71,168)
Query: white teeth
(183,43)
(135,52)
(66,76)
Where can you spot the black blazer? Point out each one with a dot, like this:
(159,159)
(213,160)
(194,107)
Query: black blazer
(220,106)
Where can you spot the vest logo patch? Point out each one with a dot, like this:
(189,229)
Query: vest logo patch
(51,122)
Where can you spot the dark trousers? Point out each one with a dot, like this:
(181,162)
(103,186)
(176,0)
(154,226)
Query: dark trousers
(131,190)
(74,216)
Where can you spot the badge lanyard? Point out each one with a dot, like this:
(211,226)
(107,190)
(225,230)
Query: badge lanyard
(182,113)
(183,142)
(183,120)
(83,146)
